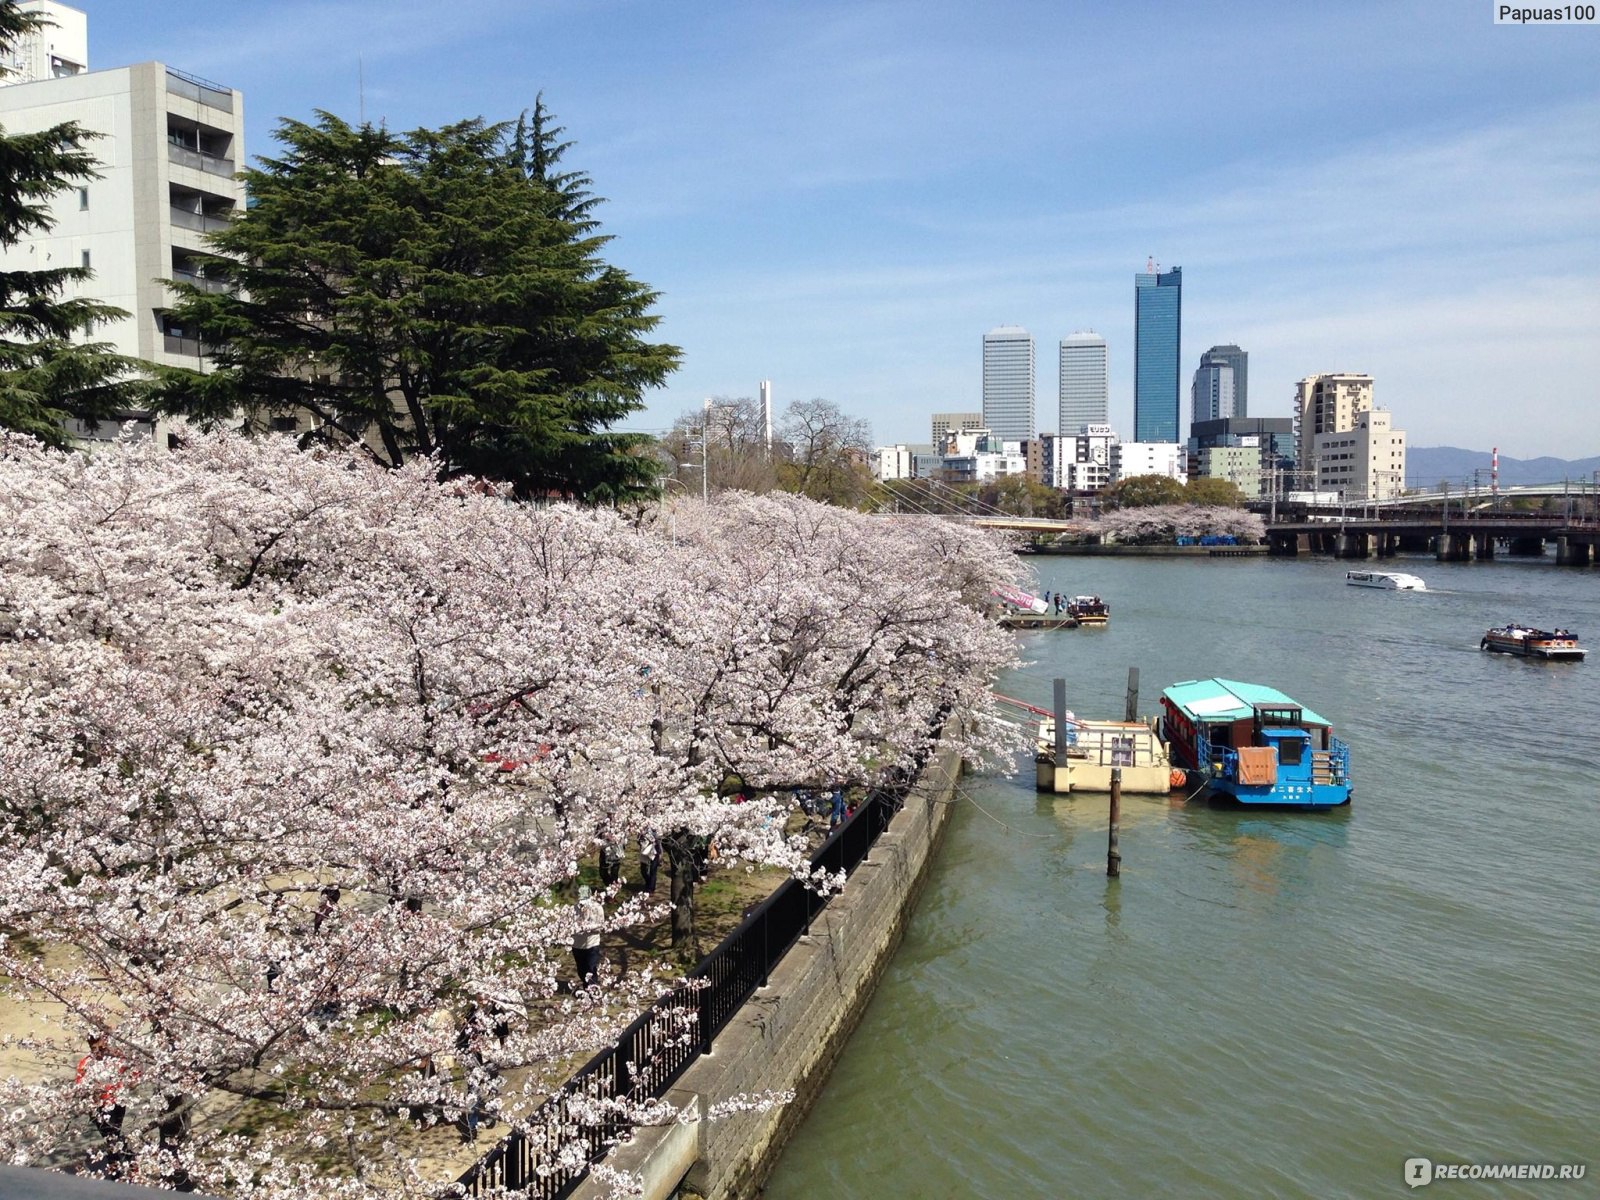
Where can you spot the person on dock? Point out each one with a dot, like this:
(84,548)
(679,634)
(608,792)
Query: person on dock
(836,813)
(1059,604)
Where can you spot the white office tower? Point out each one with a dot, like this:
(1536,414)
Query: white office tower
(1084,395)
(1008,370)
(168,149)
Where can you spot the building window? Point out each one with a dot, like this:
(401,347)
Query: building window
(85,260)
(83,199)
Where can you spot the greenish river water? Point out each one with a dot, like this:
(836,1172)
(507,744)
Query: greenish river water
(1282,1005)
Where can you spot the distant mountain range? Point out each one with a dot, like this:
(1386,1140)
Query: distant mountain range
(1427,466)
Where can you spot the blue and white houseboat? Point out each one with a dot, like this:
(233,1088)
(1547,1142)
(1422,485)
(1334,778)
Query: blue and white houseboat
(1254,745)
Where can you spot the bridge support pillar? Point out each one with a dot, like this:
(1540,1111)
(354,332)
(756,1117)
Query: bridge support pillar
(1483,547)
(1529,547)
(1352,545)
(1454,547)
(1572,554)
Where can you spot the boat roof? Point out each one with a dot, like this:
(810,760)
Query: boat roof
(1230,700)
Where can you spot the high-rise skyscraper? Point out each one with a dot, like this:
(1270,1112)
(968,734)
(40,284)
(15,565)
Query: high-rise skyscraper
(1008,370)
(1214,395)
(1239,360)
(1158,319)
(1084,395)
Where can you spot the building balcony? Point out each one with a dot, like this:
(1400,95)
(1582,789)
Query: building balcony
(184,218)
(184,157)
(201,282)
(193,87)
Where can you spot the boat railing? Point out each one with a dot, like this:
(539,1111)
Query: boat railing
(1339,760)
(1114,748)
(1213,761)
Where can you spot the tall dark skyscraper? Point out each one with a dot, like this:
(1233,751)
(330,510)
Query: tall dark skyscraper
(1158,319)
(1239,360)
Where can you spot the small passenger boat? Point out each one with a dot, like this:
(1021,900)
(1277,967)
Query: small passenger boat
(1557,644)
(1089,610)
(1254,745)
(1393,581)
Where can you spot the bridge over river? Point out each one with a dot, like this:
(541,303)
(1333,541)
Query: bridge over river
(1450,535)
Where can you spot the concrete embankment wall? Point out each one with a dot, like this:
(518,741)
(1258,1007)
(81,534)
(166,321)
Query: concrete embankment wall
(788,1035)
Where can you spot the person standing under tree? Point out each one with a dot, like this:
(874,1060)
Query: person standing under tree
(649,858)
(107,1071)
(586,938)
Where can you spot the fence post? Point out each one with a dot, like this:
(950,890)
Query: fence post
(703,1015)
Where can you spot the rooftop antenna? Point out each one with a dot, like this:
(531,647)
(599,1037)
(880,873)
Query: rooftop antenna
(1150,266)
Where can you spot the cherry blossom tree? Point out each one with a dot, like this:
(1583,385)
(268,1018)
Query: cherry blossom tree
(303,756)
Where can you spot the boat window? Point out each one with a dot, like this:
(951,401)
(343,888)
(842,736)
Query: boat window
(1291,751)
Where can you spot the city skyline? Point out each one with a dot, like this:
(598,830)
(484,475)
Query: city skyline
(838,198)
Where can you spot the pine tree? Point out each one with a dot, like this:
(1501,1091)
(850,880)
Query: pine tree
(47,378)
(439,292)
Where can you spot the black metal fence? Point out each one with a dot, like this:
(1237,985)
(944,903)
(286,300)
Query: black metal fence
(580,1122)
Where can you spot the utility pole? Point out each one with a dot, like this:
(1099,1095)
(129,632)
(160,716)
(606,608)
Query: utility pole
(705,454)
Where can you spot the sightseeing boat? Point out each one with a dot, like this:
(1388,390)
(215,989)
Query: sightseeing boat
(1088,610)
(1557,644)
(1393,581)
(1254,745)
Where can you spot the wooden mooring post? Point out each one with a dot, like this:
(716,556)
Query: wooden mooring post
(1113,852)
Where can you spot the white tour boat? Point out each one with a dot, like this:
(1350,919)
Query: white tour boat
(1393,581)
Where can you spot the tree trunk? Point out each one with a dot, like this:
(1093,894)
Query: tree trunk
(174,1134)
(682,872)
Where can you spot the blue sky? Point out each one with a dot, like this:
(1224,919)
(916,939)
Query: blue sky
(843,197)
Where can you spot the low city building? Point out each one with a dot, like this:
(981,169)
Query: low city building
(1131,459)
(1367,462)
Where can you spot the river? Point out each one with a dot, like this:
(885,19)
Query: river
(1265,1004)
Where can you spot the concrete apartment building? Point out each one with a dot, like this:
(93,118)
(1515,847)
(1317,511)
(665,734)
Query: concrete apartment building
(1008,374)
(1367,462)
(170,145)
(891,462)
(1080,462)
(1327,403)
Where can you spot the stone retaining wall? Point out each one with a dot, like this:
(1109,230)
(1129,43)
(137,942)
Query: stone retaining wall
(789,1033)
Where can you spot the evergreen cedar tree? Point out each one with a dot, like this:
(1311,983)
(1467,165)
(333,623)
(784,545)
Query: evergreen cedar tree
(46,378)
(302,754)
(437,293)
